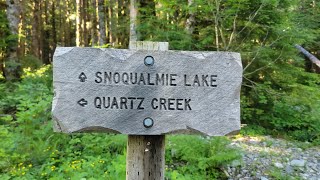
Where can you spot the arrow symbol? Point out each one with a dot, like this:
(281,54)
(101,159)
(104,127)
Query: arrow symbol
(82,102)
(82,77)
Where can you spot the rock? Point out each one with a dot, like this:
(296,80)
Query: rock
(292,161)
(263,178)
(297,149)
(252,141)
(250,156)
(229,169)
(304,176)
(278,165)
(298,163)
(314,178)
(235,163)
(288,169)
(311,171)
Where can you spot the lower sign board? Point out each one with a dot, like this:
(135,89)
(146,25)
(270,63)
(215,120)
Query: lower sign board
(144,92)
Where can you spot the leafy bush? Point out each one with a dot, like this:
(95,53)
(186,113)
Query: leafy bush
(31,62)
(195,157)
(287,103)
(31,150)
(253,130)
(30,147)
(277,93)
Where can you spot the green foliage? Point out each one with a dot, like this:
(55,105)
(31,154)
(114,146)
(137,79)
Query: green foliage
(31,62)
(287,104)
(278,96)
(277,93)
(253,130)
(195,157)
(167,26)
(4,30)
(278,174)
(31,150)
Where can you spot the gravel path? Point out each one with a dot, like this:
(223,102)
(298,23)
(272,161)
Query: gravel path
(267,158)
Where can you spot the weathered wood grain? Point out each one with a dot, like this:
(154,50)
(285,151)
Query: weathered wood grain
(199,92)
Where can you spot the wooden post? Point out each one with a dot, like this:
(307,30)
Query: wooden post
(145,154)
(145,157)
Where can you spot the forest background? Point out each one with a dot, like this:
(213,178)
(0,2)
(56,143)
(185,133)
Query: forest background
(280,94)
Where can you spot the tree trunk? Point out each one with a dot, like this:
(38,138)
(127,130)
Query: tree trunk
(62,23)
(115,23)
(133,20)
(125,23)
(311,57)
(94,34)
(78,23)
(35,32)
(83,23)
(121,22)
(54,29)
(67,25)
(12,66)
(191,18)
(23,23)
(102,25)
(111,22)
(45,35)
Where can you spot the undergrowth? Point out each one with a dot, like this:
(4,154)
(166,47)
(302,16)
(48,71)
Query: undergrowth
(29,148)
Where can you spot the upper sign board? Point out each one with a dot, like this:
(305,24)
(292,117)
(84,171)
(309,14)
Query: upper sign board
(146,92)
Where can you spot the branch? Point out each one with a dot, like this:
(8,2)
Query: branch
(233,34)
(216,23)
(233,31)
(251,17)
(264,67)
(311,57)
(254,58)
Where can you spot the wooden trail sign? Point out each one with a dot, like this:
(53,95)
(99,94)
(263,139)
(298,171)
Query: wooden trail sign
(146,153)
(146,92)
